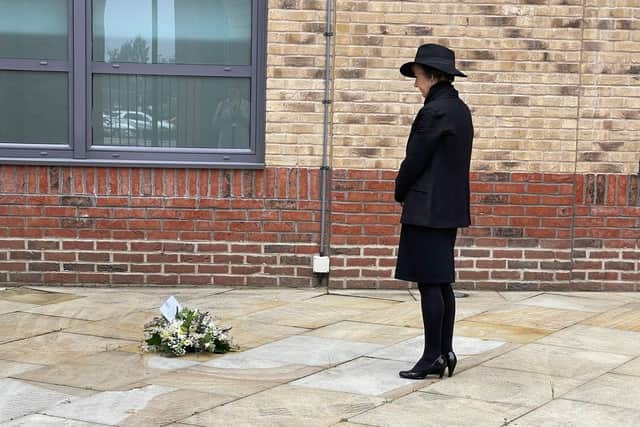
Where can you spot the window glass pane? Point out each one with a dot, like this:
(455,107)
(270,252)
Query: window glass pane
(172,31)
(164,111)
(36,107)
(33,29)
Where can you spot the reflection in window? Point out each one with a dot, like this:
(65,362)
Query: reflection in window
(214,32)
(33,29)
(167,111)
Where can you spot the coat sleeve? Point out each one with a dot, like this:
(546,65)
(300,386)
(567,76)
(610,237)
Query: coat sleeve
(423,142)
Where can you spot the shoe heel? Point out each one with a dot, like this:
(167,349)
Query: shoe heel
(452,361)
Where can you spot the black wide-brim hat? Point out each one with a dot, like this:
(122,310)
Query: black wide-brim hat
(434,56)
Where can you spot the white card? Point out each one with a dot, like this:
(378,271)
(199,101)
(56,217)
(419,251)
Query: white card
(169,309)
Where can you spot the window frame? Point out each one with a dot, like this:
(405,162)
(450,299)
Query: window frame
(80,69)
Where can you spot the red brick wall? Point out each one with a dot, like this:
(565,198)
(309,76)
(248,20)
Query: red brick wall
(129,226)
(63,225)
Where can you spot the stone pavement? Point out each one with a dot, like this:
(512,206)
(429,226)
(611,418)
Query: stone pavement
(71,357)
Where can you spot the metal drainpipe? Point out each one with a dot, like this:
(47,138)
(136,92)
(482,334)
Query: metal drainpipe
(325,138)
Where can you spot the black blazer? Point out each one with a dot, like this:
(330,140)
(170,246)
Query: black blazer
(433,180)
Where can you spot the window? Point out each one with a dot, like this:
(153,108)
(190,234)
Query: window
(150,82)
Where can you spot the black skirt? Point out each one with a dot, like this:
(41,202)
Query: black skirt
(425,255)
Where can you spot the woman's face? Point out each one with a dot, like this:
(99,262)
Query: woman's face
(423,83)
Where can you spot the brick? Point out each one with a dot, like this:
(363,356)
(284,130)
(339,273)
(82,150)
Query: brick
(79,267)
(146,268)
(25,277)
(162,258)
(13,266)
(619,265)
(127,279)
(25,255)
(78,201)
(60,256)
(180,269)
(112,268)
(13,244)
(178,247)
(43,266)
(187,279)
(93,257)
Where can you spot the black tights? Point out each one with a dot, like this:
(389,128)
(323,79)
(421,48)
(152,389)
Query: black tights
(438,305)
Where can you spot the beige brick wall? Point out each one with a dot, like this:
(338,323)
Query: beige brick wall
(554,84)
(295,82)
(609,139)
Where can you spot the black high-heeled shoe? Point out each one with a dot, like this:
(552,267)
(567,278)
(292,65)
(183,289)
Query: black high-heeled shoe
(437,367)
(452,361)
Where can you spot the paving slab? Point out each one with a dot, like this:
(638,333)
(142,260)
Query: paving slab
(230,382)
(597,339)
(242,360)
(364,375)
(515,296)
(173,406)
(11,306)
(572,302)
(626,317)
(287,406)
(18,325)
(249,334)
(89,308)
(532,317)
(71,391)
(109,407)
(278,294)
(557,361)
(128,327)
(408,314)
(35,296)
(478,302)
(618,296)
(348,424)
(47,421)
(405,314)
(498,332)
(303,315)
(314,351)
(9,368)
(562,412)
(609,389)
(358,303)
(112,370)
(630,368)
(365,332)
(565,301)
(411,350)
(231,306)
(57,347)
(400,296)
(18,399)
(436,410)
(504,386)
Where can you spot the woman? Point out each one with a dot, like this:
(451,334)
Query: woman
(433,187)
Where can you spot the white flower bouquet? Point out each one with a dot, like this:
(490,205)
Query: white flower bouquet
(191,331)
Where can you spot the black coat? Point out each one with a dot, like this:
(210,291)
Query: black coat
(433,180)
